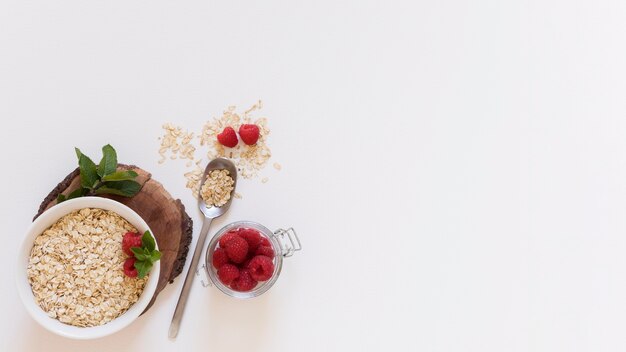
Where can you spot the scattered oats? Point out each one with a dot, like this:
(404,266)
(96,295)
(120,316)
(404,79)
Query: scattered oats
(217,188)
(74,277)
(264,180)
(193,180)
(237,195)
(249,159)
(177,142)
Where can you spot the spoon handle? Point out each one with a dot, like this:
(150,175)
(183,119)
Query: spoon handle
(184,294)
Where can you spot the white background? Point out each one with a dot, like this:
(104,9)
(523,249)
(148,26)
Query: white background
(455,168)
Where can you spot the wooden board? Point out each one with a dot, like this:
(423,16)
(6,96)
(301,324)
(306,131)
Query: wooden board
(166,216)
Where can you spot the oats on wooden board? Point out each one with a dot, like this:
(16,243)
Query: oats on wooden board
(75,269)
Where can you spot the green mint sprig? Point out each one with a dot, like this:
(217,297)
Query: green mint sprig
(146,255)
(104,177)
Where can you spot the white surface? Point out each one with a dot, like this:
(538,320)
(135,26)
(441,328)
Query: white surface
(455,168)
(47,219)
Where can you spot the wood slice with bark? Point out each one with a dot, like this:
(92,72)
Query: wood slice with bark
(166,217)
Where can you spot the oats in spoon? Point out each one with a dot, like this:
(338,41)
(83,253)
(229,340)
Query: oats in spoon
(217,188)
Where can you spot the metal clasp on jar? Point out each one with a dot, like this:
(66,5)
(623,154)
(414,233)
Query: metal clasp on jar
(202,273)
(288,241)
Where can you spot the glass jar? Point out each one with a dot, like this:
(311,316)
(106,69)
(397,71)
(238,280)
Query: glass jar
(284,243)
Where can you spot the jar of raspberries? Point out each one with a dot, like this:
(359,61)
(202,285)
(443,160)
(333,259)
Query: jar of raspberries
(244,258)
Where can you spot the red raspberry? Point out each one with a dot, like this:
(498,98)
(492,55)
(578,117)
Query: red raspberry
(237,249)
(129,267)
(130,239)
(266,251)
(227,273)
(227,237)
(261,268)
(252,236)
(244,282)
(265,242)
(249,133)
(228,137)
(219,258)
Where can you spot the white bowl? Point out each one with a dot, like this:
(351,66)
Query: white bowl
(44,221)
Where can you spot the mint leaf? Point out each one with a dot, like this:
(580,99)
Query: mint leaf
(156,255)
(108,163)
(140,253)
(143,268)
(120,176)
(121,188)
(148,242)
(77,193)
(104,177)
(61,198)
(88,173)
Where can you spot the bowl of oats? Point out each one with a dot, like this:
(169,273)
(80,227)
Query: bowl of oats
(83,269)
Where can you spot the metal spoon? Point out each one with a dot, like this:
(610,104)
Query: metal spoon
(210,213)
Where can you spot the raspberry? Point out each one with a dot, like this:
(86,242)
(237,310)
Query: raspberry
(227,237)
(266,251)
(265,242)
(253,237)
(129,267)
(249,133)
(261,268)
(228,138)
(130,239)
(237,249)
(219,258)
(244,282)
(227,273)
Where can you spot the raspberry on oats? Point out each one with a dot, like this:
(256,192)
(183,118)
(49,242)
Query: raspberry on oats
(249,133)
(228,138)
(130,240)
(129,267)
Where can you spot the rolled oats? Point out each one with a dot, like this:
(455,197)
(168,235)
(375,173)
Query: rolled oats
(75,269)
(217,188)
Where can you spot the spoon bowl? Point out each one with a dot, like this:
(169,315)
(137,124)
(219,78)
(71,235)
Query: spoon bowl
(217,164)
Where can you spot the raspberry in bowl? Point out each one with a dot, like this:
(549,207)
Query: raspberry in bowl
(245,258)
